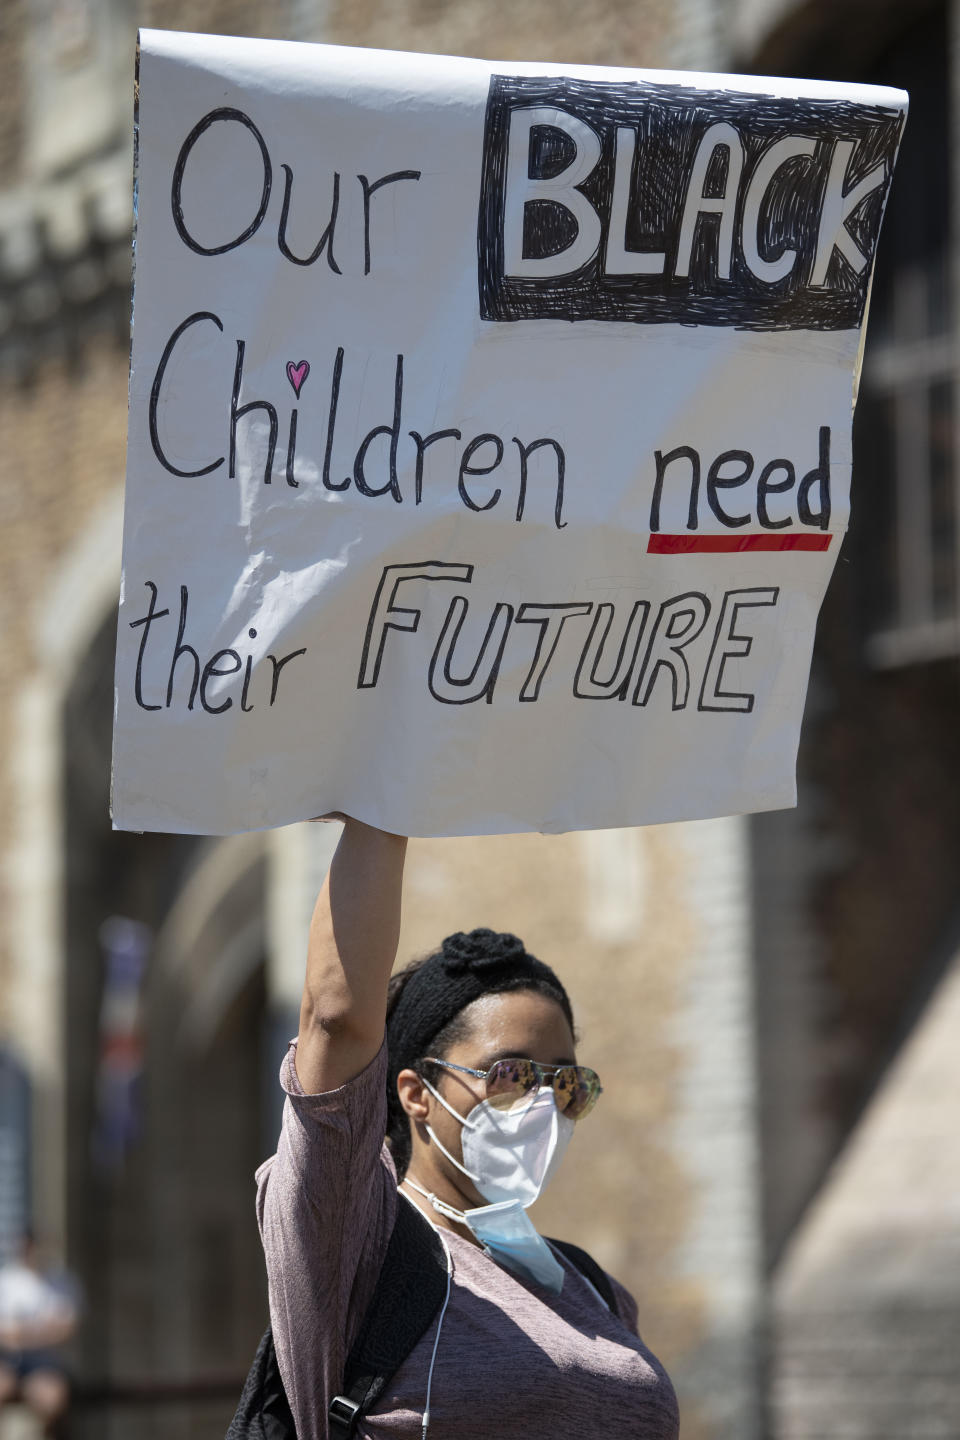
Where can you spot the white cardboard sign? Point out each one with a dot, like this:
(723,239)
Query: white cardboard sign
(489,439)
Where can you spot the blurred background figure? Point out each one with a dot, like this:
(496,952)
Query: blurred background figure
(126,948)
(39,1309)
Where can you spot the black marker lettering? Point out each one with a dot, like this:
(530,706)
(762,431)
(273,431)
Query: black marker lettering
(716,480)
(617,259)
(181,649)
(765,488)
(213,668)
(369,190)
(604,201)
(592,688)
(551,619)
(528,253)
(682,452)
(326,239)
(392,483)
(789,148)
(292,449)
(176,193)
(146,621)
(155,396)
(386,615)
(278,666)
(331,423)
(467,469)
(679,622)
(718,138)
(481,681)
(422,442)
(238,414)
(820,476)
(838,206)
(525,452)
(727,645)
(246,676)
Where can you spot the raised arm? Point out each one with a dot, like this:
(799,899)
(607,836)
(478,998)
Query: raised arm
(353,944)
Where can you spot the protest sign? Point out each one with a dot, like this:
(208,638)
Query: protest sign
(490,435)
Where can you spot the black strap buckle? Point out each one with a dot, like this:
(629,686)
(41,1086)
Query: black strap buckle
(343,1414)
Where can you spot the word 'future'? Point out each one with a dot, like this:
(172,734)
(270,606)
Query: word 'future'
(623,654)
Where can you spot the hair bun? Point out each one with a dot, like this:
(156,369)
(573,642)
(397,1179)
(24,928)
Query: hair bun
(482,949)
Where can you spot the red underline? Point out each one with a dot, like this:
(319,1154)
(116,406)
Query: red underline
(730,544)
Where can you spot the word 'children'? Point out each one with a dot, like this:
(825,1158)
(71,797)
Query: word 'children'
(470,459)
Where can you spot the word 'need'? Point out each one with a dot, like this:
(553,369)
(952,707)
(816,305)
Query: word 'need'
(768,490)
(483,464)
(680,645)
(636,201)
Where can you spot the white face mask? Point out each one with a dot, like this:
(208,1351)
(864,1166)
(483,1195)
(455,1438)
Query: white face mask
(510,1154)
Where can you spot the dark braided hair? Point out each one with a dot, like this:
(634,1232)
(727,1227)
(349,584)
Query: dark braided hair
(426,1002)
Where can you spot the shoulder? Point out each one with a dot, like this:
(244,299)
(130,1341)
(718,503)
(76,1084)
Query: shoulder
(330,1153)
(614,1295)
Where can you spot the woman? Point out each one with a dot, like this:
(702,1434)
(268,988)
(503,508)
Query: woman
(524,1347)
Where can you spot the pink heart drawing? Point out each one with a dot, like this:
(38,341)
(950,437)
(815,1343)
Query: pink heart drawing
(297,374)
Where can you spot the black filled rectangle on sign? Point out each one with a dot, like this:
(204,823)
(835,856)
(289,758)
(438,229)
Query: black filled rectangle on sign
(655,203)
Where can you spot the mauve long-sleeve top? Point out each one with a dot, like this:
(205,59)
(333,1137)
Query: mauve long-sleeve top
(514,1361)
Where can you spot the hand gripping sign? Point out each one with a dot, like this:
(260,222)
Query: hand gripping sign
(489,443)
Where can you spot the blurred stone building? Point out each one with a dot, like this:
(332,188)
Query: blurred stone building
(775,1169)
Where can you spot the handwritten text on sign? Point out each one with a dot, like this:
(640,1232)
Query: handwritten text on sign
(395,525)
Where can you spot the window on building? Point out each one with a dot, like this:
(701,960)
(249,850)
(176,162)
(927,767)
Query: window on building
(905,532)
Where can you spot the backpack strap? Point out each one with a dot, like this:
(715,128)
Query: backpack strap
(409,1292)
(589,1269)
(264,1411)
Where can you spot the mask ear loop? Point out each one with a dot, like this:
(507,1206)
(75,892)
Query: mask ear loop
(470,1125)
(464,1119)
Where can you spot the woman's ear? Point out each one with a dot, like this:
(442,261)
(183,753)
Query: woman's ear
(414,1095)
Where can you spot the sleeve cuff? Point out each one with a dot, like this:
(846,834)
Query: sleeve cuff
(372,1076)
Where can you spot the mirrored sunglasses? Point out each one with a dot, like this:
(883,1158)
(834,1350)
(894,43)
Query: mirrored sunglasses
(510,1083)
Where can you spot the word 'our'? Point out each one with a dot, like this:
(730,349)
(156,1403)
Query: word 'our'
(325,242)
